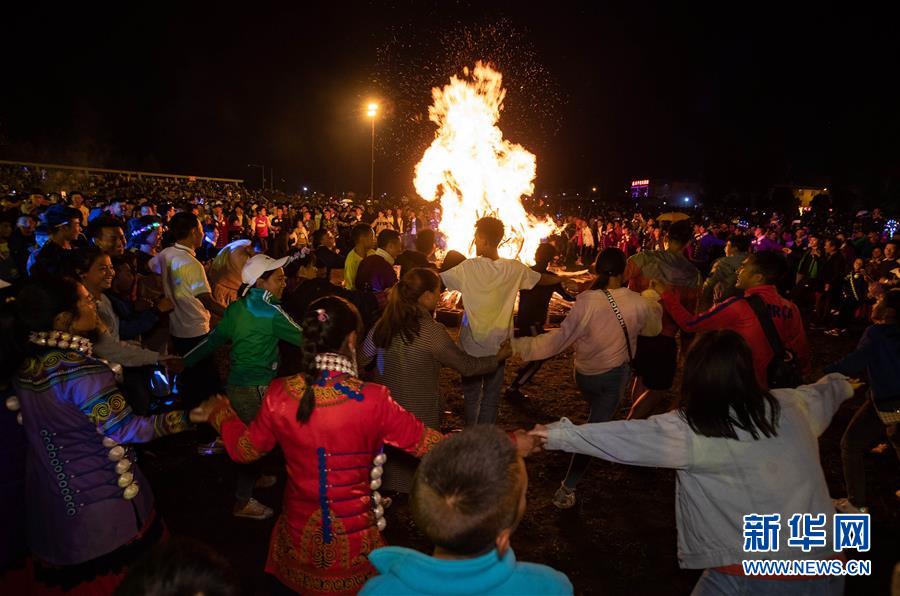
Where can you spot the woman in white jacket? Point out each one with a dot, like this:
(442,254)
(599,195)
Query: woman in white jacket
(738,450)
(604,347)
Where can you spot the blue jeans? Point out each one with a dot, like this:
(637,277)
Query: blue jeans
(713,583)
(482,395)
(603,392)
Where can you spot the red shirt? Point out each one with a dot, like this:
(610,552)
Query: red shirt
(736,314)
(328,521)
(262,226)
(222,229)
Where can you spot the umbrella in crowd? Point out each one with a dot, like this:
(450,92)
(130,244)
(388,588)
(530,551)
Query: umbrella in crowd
(673,216)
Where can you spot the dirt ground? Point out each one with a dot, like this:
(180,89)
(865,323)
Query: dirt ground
(620,539)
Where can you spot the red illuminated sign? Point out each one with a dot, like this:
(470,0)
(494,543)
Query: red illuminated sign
(640,183)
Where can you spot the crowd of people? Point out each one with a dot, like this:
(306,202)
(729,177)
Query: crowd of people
(125,298)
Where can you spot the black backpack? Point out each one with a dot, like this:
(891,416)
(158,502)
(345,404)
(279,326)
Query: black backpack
(783,369)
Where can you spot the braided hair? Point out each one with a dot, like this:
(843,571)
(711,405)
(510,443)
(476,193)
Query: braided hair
(326,326)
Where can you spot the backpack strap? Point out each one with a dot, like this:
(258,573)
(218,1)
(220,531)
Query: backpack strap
(767,324)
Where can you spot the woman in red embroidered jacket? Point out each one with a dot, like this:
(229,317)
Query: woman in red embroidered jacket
(332,428)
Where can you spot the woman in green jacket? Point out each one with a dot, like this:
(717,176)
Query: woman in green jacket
(253,324)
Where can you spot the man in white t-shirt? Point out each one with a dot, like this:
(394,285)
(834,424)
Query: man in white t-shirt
(489,286)
(185,284)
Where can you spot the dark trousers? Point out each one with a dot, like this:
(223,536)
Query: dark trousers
(864,430)
(847,312)
(198,382)
(246,402)
(527,372)
(603,392)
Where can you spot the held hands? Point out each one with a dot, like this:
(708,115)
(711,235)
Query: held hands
(165,305)
(505,351)
(857,384)
(530,442)
(201,413)
(174,364)
(659,287)
(525,443)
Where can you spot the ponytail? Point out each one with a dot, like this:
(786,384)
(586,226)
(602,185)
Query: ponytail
(610,263)
(401,315)
(312,333)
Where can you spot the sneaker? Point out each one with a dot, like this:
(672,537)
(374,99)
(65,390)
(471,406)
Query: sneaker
(253,509)
(217,447)
(266,481)
(845,506)
(564,498)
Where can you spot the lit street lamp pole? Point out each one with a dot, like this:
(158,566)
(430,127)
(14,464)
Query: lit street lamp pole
(372,112)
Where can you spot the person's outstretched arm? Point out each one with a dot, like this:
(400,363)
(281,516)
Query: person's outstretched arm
(663,441)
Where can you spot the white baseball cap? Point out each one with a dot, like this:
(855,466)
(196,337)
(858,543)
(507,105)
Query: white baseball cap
(259,264)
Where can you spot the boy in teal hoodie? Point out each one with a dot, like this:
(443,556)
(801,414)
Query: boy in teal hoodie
(468,496)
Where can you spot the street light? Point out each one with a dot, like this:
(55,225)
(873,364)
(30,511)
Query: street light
(372,112)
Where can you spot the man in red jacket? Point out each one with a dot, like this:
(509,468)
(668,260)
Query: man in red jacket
(757,277)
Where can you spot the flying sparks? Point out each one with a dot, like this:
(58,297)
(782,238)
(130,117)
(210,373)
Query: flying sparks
(474,171)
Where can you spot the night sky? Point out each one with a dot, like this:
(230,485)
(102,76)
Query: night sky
(742,98)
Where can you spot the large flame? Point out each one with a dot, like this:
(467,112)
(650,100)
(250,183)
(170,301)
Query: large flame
(474,171)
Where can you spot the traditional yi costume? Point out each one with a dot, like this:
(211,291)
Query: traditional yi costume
(333,513)
(89,508)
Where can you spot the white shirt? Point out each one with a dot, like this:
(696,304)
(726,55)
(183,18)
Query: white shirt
(720,480)
(489,289)
(594,329)
(110,347)
(183,279)
(587,236)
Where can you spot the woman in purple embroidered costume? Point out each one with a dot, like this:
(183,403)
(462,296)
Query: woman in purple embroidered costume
(89,509)
(332,428)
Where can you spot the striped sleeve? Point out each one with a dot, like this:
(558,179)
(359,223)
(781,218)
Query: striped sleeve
(283,326)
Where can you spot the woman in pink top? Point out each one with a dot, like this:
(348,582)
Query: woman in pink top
(261,228)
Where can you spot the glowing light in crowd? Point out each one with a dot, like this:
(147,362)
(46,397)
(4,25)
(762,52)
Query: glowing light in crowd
(474,171)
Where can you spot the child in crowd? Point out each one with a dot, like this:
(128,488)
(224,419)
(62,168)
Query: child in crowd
(468,496)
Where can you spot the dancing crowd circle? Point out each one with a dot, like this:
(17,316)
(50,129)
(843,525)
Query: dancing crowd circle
(301,330)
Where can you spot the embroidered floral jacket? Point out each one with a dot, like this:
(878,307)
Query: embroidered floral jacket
(332,510)
(77,474)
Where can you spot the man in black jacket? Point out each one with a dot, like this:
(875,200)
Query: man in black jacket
(533,307)
(421,257)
